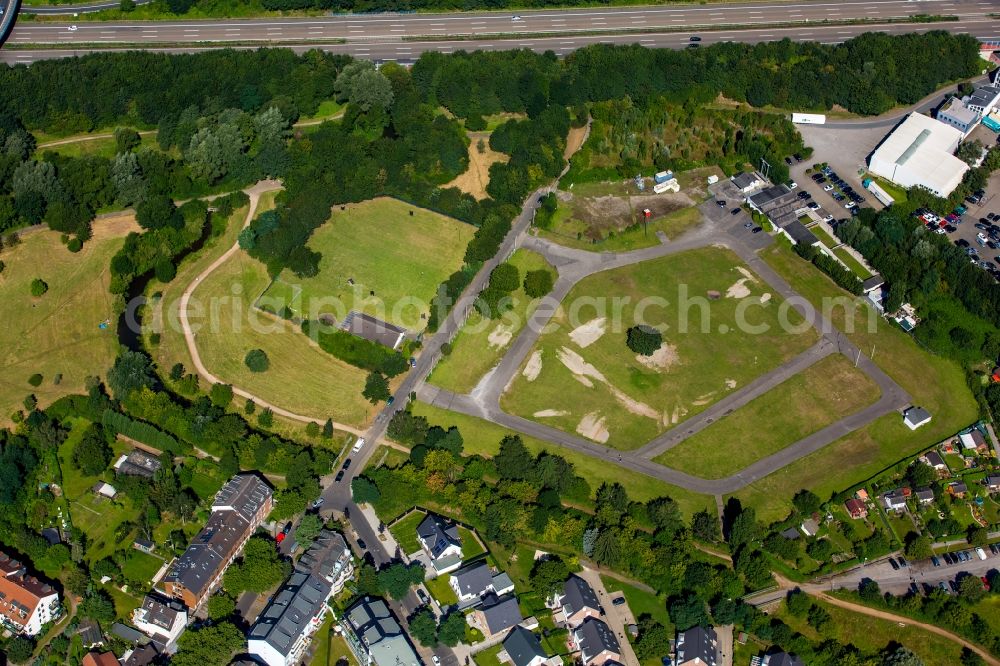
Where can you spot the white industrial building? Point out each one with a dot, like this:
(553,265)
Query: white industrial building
(920,153)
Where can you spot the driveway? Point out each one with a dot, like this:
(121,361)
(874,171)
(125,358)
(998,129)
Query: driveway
(617,617)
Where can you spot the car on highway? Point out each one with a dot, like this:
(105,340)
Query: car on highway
(72,28)
(358,445)
(347,463)
(694,38)
(339,477)
(515,17)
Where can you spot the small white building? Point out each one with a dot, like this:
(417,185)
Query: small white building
(163,620)
(921,153)
(914,417)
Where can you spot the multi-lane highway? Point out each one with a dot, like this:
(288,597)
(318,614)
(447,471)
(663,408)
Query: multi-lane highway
(405,36)
(156,36)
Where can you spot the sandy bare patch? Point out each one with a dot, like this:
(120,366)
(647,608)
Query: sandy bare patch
(747,274)
(661,359)
(583,380)
(634,406)
(114,225)
(677,415)
(592,427)
(574,140)
(533,366)
(578,366)
(589,333)
(738,289)
(477,176)
(499,337)
(730,384)
(549,413)
(765,297)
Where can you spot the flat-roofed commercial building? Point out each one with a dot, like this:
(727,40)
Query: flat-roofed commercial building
(920,153)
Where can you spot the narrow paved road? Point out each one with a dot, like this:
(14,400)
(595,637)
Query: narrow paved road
(189,335)
(720,229)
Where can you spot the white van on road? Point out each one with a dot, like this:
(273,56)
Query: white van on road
(358,445)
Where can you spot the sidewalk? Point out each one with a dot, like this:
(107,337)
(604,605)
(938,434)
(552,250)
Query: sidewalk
(388,541)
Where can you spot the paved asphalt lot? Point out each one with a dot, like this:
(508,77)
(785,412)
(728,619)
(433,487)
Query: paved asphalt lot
(922,573)
(381,37)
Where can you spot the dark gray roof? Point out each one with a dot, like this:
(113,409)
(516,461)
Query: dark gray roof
(326,557)
(783,659)
(501,613)
(983,96)
(774,197)
(52,535)
(129,634)
(916,414)
(89,632)
(800,234)
(934,458)
(139,463)
(522,646)
(245,493)
(925,493)
(287,617)
(475,579)
(791,533)
(993,479)
(437,534)
(742,180)
(577,595)
(371,328)
(697,643)
(594,637)
(141,656)
(873,282)
(160,612)
(375,626)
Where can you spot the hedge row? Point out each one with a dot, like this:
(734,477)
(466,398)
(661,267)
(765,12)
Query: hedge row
(357,351)
(142,432)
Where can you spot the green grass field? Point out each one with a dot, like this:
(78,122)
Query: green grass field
(871,634)
(488,657)
(405,532)
(58,334)
(441,590)
(939,387)
(852,263)
(809,401)
(640,602)
(329,647)
(141,567)
(470,545)
(483,438)
(99,517)
(481,343)
(302,378)
(600,389)
(99,146)
(382,248)
(824,236)
(564,231)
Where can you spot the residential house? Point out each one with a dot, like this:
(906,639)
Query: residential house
(697,647)
(90,633)
(163,620)
(597,643)
(856,508)
(861,494)
(925,495)
(139,656)
(439,539)
(497,614)
(376,636)
(100,659)
(791,533)
(983,100)
(522,648)
(973,440)
(138,463)
(748,182)
(576,603)
(934,459)
(958,488)
(894,500)
(130,634)
(914,417)
(26,603)
(993,482)
(781,659)
(52,535)
(473,582)
(237,511)
(810,527)
(143,545)
(284,630)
